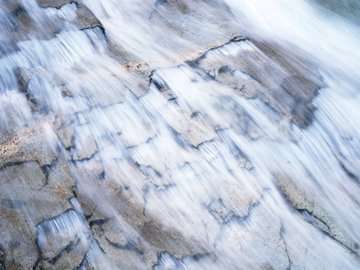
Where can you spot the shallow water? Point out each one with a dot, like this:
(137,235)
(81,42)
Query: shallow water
(179,135)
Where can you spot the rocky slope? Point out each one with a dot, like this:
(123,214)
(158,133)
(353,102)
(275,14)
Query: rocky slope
(164,135)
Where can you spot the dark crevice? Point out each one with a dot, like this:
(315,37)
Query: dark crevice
(99,26)
(40,253)
(2,258)
(84,261)
(148,170)
(46,170)
(282,237)
(311,218)
(349,173)
(98,222)
(36,264)
(160,3)
(234,39)
(149,140)
(75,161)
(198,146)
(14,163)
(67,249)
(158,82)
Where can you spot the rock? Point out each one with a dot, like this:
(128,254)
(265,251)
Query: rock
(124,252)
(193,129)
(86,19)
(85,145)
(145,136)
(29,144)
(241,65)
(53,3)
(313,212)
(63,241)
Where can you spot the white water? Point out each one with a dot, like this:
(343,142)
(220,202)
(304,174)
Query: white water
(189,165)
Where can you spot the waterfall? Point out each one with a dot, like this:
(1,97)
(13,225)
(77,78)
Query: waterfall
(179,134)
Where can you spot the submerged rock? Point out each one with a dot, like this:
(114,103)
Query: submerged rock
(146,135)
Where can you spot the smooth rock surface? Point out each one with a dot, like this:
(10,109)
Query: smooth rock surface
(178,134)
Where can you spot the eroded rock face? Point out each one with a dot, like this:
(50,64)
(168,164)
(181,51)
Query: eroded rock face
(242,65)
(154,135)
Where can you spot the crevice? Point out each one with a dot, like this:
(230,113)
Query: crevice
(225,216)
(36,264)
(148,170)
(311,218)
(75,161)
(351,175)
(282,237)
(2,258)
(198,146)
(99,26)
(98,222)
(148,140)
(232,40)
(39,251)
(84,261)
(47,168)
(67,249)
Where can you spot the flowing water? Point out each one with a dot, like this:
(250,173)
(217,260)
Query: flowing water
(179,134)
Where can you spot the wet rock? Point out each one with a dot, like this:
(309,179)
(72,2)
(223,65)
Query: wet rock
(194,129)
(32,196)
(155,233)
(17,245)
(256,242)
(86,19)
(85,145)
(12,204)
(241,65)
(124,252)
(25,79)
(63,241)
(23,24)
(313,212)
(66,135)
(28,144)
(133,146)
(53,3)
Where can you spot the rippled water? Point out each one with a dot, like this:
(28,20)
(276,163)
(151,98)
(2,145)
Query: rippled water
(179,134)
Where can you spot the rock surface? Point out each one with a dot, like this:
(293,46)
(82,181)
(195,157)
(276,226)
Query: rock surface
(162,135)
